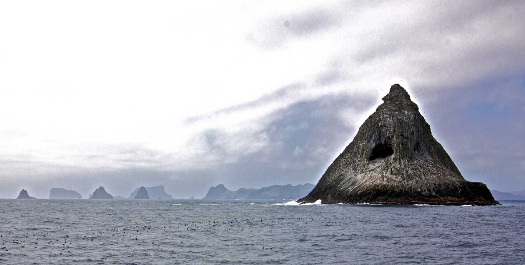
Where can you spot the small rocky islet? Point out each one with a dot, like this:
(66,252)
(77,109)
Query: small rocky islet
(142,194)
(23,195)
(64,194)
(394,159)
(155,192)
(101,194)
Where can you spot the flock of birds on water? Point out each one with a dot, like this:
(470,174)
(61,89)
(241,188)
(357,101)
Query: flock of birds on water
(179,233)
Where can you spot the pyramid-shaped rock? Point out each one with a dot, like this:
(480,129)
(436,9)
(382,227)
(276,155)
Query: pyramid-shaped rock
(101,194)
(394,159)
(23,195)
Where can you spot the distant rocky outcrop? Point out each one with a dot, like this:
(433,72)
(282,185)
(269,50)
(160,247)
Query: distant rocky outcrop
(219,193)
(509,196)
(155,192)
(275,192)
(23,195)
(63,194)
(142,194)
(394,159)
(519,193)
(101,194)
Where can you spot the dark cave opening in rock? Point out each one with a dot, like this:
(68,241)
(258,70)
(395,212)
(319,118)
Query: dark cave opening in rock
(381,150)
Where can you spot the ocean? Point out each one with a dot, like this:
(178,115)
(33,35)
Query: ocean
(257,232)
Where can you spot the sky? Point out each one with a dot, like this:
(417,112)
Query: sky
(191,94)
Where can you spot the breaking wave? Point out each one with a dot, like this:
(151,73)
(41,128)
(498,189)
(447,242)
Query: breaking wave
(295,203)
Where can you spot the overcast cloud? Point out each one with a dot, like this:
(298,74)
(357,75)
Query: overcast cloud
(190,95)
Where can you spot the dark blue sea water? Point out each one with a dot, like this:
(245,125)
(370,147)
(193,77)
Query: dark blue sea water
(200,232)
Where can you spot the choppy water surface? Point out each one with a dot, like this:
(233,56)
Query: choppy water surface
(200,232)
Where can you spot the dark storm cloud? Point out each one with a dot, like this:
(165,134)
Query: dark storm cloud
(482,128)
(303,139)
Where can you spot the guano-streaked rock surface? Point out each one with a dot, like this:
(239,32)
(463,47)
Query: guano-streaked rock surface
(394,159)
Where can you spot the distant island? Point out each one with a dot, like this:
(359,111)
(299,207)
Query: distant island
(63,194)
(23,195)
(155,192)
(275,192)
(509,196)
(101,194)
(142,194)
(394,159)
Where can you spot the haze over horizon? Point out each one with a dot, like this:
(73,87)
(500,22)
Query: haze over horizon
(189,95)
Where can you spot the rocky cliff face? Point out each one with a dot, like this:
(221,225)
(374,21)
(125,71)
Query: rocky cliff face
(142,194)
(23,195)
(63,194)
(394,159)
(101,194)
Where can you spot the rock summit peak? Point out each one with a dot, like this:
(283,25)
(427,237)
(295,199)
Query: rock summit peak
(398,98)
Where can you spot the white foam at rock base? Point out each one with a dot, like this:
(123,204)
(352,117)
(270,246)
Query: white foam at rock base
(295,203)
